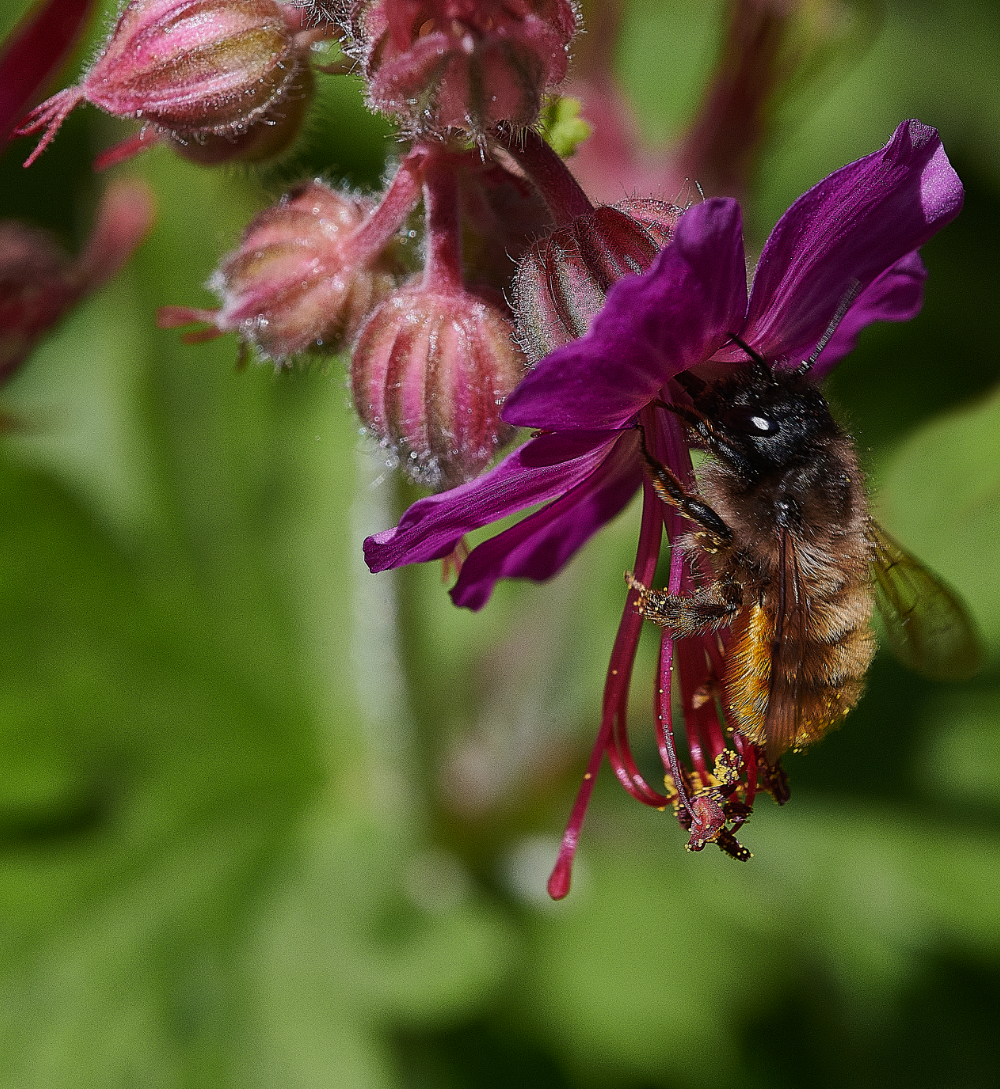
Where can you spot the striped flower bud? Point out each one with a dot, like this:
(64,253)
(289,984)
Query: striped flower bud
(266,138)
(297,282)
(193,69)
(563,279)
(430,372)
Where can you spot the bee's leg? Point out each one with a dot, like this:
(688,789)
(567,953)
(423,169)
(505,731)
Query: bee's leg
(716,534)
(704,612)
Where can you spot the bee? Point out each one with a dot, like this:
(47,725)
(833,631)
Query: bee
(798,562)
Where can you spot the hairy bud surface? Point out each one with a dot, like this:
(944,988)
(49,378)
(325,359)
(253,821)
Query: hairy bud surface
(430,372)
(191,68)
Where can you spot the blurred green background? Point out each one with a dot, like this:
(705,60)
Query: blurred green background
(268,820)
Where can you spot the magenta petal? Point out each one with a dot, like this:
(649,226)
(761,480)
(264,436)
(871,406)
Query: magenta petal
(852,226)
(897,295)
(540,470)
(652,326)
(537,547)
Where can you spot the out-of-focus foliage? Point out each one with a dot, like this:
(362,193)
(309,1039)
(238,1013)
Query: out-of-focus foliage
(268,820)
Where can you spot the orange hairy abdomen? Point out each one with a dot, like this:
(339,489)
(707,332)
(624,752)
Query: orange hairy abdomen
(788,693)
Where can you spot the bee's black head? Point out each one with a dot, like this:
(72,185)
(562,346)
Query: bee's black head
(758,419)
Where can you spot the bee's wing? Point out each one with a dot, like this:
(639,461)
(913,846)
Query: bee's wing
(929,630)
(784,707)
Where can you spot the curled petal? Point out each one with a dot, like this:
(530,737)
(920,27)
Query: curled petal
(542,469)
(652,327)
(897,295)
(537,547)
(850,228)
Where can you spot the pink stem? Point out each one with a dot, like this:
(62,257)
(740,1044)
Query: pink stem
(616,687)
(550,175)
(669,444)
(616,690)
(665,734)
(443,270)
(692,671)
(124,217)
(721,148)
(399,200)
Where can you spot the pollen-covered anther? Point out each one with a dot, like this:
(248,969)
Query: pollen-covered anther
(430,372)
(463,64)
(192,69)
(642,601)
(728,766)
(673,795)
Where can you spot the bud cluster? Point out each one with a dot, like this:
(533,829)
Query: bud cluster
(517,261)
(434,351)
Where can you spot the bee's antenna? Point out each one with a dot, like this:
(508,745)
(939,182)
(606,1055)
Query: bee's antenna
(757,359)
(845,304)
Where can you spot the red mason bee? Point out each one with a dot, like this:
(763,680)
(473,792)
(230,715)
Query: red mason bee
(798,562)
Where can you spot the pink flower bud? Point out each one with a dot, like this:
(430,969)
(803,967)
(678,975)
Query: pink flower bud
(563,279)
(266,138)
(464,64)
(191,68)
(430,372)
(39,281)
(296,283)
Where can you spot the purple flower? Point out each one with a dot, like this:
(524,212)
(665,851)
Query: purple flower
(856,231)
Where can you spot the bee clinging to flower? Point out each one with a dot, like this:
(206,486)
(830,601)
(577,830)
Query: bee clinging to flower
(765,637)
(798,561)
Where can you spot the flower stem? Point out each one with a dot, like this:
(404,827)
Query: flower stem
(399,200)
(550,175)
(722,146)
(443,270)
